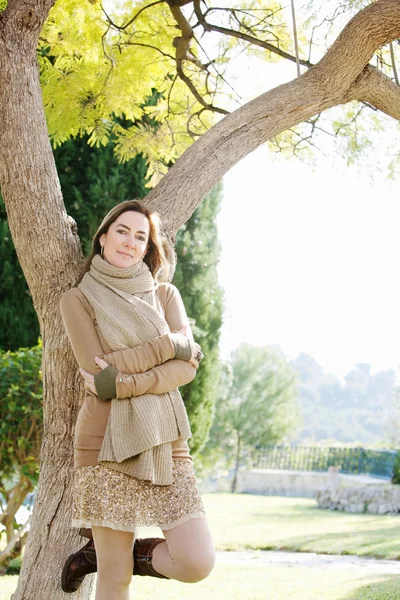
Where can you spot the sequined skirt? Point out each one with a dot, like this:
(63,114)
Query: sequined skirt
(104,497)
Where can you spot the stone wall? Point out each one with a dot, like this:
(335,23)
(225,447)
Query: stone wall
(381,500)
(306,484)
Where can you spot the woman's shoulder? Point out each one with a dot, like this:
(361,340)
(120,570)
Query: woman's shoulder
(72,298)
(72,295)
(167,287)
(167,292)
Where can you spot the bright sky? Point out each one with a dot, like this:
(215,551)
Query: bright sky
(310,262)
(310,256)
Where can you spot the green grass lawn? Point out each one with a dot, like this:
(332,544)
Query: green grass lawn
(273,583)
(228,582)
(243,521)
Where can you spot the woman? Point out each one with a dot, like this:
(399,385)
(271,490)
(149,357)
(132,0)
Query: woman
(119,321)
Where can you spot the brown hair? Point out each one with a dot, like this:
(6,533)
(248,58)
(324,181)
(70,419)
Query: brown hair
(155,257)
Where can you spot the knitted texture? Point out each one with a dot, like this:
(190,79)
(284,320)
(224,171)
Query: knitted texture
(140,429)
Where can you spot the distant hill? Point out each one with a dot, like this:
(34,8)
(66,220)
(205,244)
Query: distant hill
(360,410)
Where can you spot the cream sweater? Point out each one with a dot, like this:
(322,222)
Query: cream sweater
(149,368)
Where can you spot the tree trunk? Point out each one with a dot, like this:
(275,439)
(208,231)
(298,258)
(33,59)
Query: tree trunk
(237,463)
(48,247)
(49,252)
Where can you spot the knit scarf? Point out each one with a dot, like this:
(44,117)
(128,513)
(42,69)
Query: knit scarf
(140,429)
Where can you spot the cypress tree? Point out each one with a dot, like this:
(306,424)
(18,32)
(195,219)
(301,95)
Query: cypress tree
(196,278)
(19,326)
(93,181)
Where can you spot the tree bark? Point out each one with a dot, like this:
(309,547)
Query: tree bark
(48,247)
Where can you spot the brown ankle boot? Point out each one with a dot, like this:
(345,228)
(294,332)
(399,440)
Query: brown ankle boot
(84,561)
(77,566)
(142,555)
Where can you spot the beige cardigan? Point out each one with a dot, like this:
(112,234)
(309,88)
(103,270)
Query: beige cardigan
(149,368)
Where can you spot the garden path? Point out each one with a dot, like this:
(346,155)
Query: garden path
(308,559)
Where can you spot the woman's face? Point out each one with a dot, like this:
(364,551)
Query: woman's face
(126,240)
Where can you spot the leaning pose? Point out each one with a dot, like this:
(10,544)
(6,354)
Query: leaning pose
(132,466)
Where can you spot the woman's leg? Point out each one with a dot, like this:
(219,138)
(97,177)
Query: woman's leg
(188,552)
(114,563)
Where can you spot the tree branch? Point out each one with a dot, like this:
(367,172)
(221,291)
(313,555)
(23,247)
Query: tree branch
(243,36)
(296,43)
(182,45)
(375,88)
(393,60)
(14,541)
(342,75)
(148,46)
(126,25)
(370,29)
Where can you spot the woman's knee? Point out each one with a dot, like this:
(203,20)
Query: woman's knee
(191,549)
(195,567)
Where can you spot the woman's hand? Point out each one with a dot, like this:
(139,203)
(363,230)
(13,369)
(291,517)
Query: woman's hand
(89,378)
(197,354)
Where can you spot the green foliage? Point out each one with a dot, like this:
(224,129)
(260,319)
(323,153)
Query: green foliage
(91,72)
(20,412)
(358,4)
(95,66)
(100,64)
(93,181)
(396,469)
(392,414)
(21,424)
(256,405)
(198,250)
(19,326)
(14,567)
